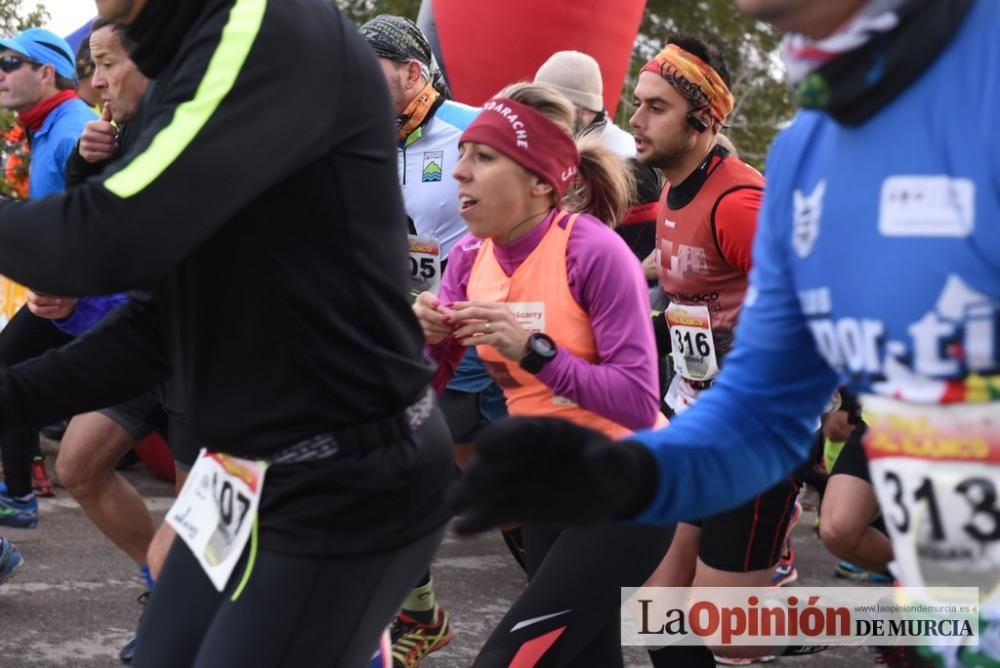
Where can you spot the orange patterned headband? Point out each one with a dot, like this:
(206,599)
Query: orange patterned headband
(694,78)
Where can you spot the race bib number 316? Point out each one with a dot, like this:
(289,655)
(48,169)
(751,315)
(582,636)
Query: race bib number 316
(691,341)
(936,470)
(215,511)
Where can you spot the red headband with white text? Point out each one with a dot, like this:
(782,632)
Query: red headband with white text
(527,137)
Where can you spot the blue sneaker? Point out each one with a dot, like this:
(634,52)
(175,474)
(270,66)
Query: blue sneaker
(127,652)
(848,571)
(10,560)
(18,514)
(785,572)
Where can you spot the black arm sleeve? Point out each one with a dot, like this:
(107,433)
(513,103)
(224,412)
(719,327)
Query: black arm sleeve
(204,154)
(118,359)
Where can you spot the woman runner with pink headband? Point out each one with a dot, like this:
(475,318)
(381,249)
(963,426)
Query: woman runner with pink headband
(557,306)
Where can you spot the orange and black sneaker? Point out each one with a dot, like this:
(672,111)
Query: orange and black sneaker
(412,641)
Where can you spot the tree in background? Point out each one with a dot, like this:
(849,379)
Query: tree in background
(14,157)
(763,101)
(360,11)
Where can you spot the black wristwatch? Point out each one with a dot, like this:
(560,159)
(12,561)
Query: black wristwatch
(541,350)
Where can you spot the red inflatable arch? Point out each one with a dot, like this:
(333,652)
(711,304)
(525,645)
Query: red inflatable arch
(483,46)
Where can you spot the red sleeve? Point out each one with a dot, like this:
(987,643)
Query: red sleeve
(735,221)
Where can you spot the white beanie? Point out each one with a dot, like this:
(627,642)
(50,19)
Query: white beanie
(577,76)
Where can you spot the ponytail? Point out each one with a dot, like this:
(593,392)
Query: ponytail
(605,185)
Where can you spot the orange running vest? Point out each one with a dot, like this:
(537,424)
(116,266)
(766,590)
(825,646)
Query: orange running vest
(538,291)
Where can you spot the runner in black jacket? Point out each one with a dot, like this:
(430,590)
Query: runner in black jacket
(260,206)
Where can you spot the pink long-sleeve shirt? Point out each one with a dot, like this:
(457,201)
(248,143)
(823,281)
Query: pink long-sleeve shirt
(606,280)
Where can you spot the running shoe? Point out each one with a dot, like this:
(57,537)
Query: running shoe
(785,573)
(40,478)
(739,661)
(127,652)
(848,571)
(10,559)
(18,514)
(412,641)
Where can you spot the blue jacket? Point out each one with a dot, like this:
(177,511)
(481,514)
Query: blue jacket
(51,147)
(876,265)
(53,144)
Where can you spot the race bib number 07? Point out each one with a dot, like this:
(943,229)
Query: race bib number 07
(216,509)
(936,470)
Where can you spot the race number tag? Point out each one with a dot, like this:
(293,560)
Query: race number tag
(425,264)
(215,511)
(691,341)
(530,315)
(936,470)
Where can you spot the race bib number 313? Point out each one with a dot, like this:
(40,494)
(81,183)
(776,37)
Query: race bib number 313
(215,511)
(936,470)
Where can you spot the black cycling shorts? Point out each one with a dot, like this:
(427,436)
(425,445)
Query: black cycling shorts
(852,460)
(750,537)
(153,411)
(463,414)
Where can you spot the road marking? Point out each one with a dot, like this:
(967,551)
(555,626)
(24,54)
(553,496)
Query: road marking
(46,651)
(14,587)
(64,501)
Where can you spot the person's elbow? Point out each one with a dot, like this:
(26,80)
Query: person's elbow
(645,410)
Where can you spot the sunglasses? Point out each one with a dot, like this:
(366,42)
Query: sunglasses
(10,64)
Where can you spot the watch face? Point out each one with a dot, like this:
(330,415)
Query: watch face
(541,350)
(544,346)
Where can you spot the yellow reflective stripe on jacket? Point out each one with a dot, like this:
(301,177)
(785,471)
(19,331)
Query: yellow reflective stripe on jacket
(190,117)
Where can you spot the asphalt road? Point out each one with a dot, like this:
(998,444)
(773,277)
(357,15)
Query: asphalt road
(73,602)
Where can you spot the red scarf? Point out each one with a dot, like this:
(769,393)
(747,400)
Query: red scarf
(33,118)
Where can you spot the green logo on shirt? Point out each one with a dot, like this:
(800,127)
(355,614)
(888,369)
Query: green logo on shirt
(432,166)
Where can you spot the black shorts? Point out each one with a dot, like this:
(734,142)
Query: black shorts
(463,414)
(750,537)
(154,411)
(852,460)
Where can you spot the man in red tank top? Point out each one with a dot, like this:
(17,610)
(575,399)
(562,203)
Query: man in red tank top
(705,225)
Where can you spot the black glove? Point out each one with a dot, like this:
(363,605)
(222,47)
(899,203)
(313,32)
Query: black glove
(661,331)
(544,470)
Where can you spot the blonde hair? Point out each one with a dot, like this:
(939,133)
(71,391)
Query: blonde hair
(605,186)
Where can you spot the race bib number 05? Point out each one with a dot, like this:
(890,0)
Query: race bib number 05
(691,341)
(425,264)
(216,509)
(936,470)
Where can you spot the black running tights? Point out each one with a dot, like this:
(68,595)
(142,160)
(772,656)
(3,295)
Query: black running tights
(569,614)
(294,611)
(25,336)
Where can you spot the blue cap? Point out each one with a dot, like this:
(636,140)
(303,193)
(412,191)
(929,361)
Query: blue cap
(43,46)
